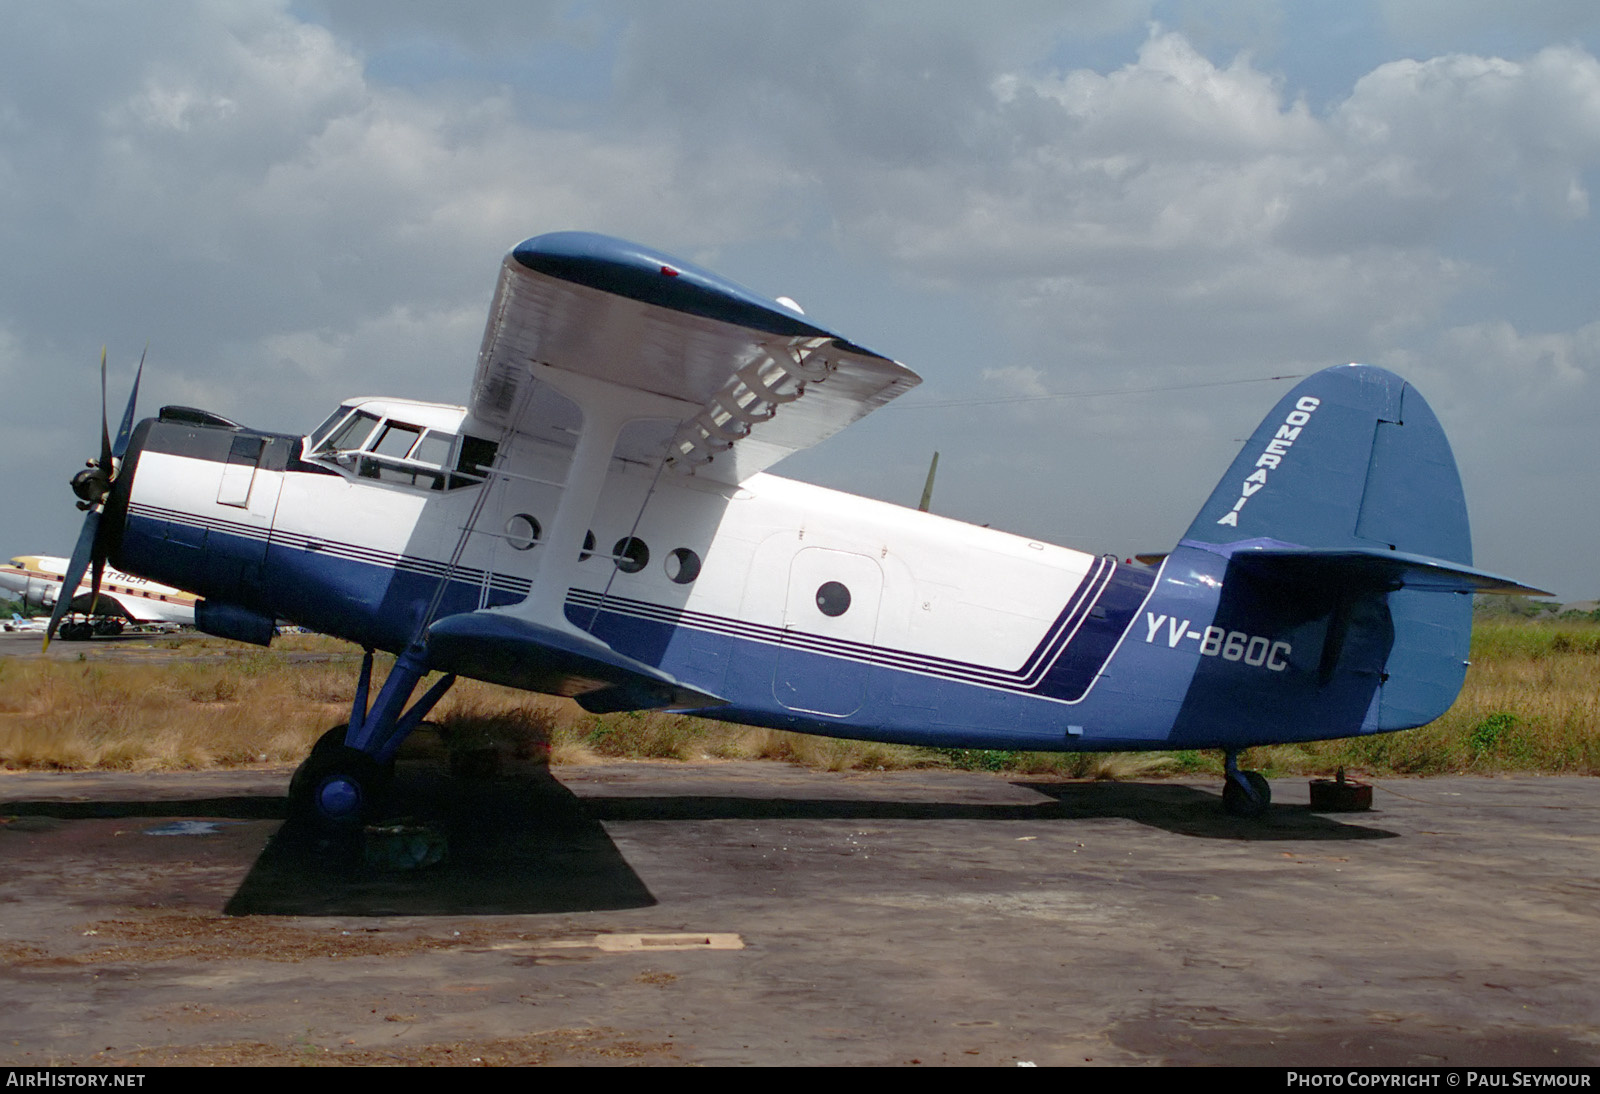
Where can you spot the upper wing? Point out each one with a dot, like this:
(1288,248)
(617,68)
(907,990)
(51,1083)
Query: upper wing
(756,379)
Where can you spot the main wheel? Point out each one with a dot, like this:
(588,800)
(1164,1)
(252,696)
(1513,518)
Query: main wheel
(1251,802)
(338,788)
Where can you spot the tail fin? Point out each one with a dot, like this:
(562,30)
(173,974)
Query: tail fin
(1352,457)
(1345,511)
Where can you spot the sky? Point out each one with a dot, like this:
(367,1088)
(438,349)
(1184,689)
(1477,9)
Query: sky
(1096,229)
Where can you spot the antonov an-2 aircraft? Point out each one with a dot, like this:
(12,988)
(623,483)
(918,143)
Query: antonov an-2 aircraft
(597,523)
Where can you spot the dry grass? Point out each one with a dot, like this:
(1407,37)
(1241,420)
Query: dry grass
(1530,704)
(71,716)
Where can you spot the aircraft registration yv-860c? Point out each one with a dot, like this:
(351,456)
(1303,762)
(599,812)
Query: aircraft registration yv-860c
(597,523)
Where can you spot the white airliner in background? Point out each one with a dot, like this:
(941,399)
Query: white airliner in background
(36,580)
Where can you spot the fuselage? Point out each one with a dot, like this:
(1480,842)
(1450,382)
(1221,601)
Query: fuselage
(804,608)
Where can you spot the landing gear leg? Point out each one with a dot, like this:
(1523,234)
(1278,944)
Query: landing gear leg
(341,784)
(1244,793)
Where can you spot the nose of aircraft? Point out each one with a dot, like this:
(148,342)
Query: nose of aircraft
(94,485)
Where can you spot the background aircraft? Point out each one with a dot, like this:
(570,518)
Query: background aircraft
(598,523)
(37,581)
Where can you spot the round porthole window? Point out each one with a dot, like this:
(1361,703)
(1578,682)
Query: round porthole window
(522,531)
(631,555)
(833,598)
(683,565)
(588,547)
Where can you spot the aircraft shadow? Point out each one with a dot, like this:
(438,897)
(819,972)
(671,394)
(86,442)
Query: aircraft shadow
(1183,810)
(242,808)
(1190,811)
(528,845)
(518,846)
(521,846)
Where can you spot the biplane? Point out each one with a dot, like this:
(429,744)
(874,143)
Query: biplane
(598,522)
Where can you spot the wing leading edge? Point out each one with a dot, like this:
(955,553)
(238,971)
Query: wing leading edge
(756,380)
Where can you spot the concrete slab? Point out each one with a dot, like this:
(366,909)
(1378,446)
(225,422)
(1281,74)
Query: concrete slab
(742,913)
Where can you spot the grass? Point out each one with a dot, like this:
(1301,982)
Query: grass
(1529,705)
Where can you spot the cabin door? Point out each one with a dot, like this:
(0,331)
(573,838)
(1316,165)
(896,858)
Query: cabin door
(830,619)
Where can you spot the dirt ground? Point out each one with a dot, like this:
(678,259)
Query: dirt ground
(754,913)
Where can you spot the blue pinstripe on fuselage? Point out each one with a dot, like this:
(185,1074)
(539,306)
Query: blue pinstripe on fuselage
(378,598)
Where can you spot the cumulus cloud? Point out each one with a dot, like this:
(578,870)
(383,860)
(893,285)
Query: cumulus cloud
(1199,196)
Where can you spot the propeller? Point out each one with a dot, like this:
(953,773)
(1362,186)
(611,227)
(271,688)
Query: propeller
(93,486)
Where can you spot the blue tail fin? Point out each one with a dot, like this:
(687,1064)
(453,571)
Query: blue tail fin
(1344,518)
(1351,458)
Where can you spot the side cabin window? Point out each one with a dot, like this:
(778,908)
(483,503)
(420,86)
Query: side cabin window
(394,451)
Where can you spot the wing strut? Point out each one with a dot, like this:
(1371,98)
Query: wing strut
(606,408)
(531,644)
(594,616)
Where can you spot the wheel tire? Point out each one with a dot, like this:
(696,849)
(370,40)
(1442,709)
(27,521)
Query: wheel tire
(338,789)
(327,744)
(1240,802)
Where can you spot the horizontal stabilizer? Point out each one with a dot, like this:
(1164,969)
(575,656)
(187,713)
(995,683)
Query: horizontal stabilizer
(503,649)
(1369,566)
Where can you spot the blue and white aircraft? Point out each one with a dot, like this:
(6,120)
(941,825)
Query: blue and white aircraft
(598,523)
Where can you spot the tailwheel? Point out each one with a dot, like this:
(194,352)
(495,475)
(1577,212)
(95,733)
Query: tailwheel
(338,788)
(1246,793)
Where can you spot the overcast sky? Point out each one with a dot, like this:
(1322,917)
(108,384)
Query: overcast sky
(297,202)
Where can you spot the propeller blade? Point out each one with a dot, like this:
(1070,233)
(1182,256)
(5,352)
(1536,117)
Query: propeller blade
(96,569)
(127,415)
(74,575)
(105,433)
(93,488)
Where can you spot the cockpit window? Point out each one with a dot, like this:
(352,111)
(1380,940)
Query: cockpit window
(397,452)
(396,440)
(434,448)
(477,455)
(351,435)
(318,433)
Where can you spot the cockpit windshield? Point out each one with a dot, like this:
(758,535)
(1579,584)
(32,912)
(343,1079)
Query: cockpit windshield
(317,434)
(350,435)
(395,451)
